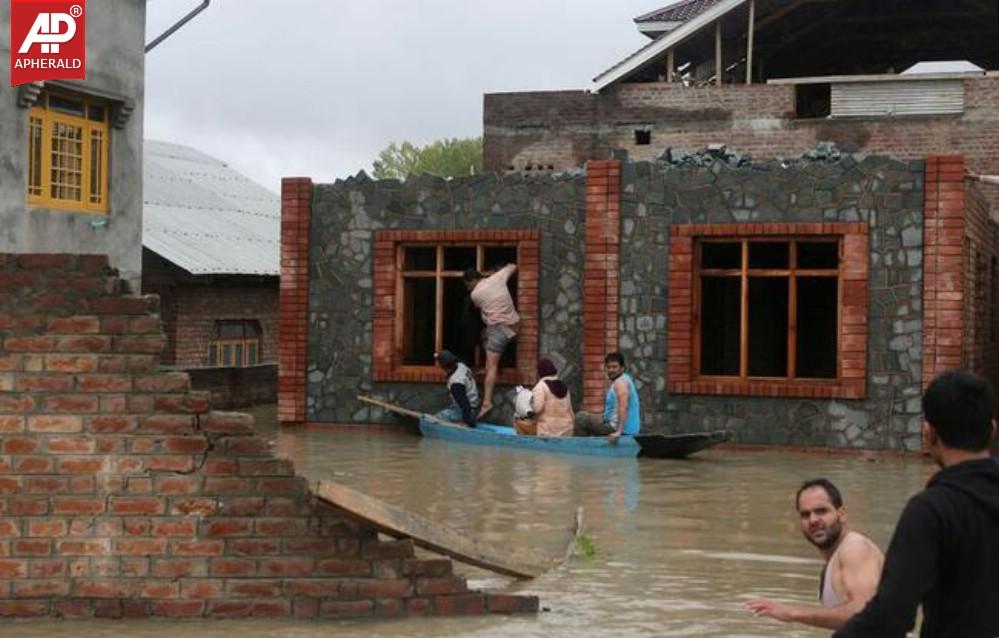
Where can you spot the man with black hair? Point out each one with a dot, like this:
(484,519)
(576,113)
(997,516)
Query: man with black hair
(461,388)
(853,562)
(944,553)
(622,410)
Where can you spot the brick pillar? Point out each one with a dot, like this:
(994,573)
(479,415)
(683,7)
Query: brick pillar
(943,259)
(296,212)
(601,271)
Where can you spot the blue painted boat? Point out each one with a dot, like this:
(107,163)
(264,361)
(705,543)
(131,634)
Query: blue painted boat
(505,436)
(660,446)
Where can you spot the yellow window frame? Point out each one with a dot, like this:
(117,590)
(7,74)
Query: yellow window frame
(48,118)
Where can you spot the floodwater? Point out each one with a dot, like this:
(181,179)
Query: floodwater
(679,545)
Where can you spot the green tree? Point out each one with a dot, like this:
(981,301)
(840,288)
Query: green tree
(444,158)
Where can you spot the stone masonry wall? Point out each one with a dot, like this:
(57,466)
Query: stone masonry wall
(123,494)
(883,192)
(345,216)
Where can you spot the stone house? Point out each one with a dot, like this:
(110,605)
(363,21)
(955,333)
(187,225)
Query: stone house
(210,238)
(772,78)
(800,302)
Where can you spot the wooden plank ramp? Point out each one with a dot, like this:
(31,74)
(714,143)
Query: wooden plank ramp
(400,523)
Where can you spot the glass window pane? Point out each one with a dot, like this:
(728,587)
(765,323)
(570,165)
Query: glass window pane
(818,302)
(66,105)
(727,255)
(419,303)
(238,354)
(96,112)
(213,355)
(251,354)
(496,257)
(96,166)
(818,254)
(720,318)
(462,320)
(768,304)
(459,257)
(420,258)
(765,254)
(226,354)
(229,329)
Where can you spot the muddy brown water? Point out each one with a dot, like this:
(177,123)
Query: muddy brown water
(679,545)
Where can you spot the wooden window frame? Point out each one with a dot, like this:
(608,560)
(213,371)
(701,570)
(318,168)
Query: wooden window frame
(387,335)
(684,320)
(40,115)
(217,344)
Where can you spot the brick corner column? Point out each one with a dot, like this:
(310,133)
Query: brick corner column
(293,326)
(601,274)
(943,271)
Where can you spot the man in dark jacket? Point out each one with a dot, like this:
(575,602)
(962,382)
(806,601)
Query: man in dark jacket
(945,550)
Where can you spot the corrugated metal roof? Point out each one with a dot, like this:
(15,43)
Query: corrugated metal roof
(678,12)
(205,217)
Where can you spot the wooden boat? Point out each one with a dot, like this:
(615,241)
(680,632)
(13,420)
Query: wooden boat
(501,435)
(657,446)
(679,446)
(648,445)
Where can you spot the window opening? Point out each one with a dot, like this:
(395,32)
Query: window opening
(436,310)
(68,153)
(235,343)
(769,309)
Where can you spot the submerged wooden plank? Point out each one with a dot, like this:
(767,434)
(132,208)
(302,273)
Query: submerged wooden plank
(436,537)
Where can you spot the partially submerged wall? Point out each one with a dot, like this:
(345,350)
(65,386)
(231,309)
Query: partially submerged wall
(644,203)
(123,494)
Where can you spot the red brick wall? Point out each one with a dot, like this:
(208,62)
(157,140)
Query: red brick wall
(981,274)
(601,271)
(122,494)
(944,220)
(197,308)
(567,128)
(853,312)
(293,328)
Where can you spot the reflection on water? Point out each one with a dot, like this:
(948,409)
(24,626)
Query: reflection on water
(680,544)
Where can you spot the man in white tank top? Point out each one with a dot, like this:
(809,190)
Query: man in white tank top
(853,562)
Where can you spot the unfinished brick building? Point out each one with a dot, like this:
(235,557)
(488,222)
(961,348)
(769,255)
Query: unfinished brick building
(771,78)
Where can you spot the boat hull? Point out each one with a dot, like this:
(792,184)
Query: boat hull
(503,436)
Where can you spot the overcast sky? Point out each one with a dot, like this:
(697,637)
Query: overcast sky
(318,87)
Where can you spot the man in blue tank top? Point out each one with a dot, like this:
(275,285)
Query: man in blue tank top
(622,412)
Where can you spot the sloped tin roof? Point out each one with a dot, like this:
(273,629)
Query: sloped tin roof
(678,11)
(205,217)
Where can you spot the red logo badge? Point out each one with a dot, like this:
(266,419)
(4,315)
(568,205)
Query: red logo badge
(47,40)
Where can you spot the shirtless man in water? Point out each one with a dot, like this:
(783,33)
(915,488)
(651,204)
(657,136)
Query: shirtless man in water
(853,562)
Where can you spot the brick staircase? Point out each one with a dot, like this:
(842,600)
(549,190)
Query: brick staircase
(122,494)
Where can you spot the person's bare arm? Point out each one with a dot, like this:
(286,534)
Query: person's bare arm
(860,568)
(621,392)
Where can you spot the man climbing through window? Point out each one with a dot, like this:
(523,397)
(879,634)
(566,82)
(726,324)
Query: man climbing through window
(491,296)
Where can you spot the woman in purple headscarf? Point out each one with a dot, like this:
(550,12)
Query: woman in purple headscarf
(550,403)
